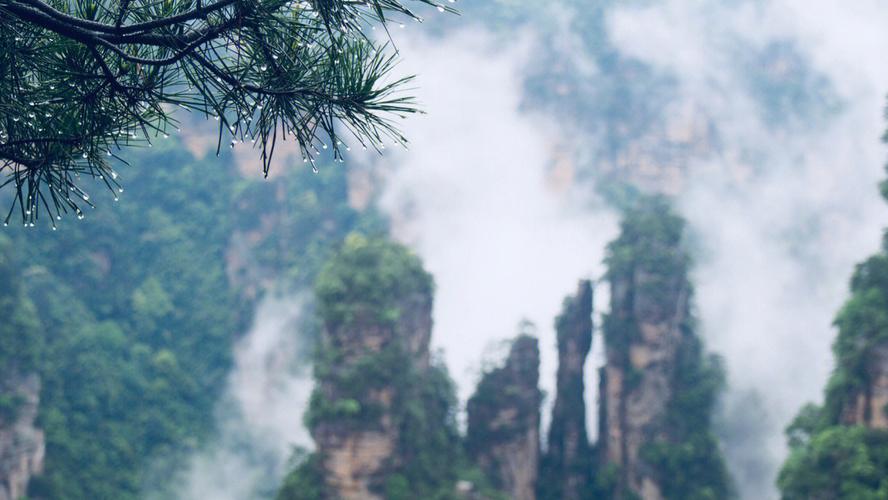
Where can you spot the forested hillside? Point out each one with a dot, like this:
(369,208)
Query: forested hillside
(127,318)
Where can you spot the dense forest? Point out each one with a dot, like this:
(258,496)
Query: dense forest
(130,335)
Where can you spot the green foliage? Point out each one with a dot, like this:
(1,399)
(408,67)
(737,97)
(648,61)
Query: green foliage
(863,325)
(829,459)
(9,406)
(354,382)
(82,79)
(142,319)
(305,481)
(651,236)
(21,338)
(138,309)
(368,279)
(505,387)
(429,440)
(808,421)
(837,462)
(688,461)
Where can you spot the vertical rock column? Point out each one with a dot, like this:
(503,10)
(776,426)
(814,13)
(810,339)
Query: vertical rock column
(657,388)
(566,467)
(376,303)
(868,406)
(22,444)
(504,421)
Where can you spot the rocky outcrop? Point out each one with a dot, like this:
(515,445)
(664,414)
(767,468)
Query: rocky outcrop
(22,444)
(504,420)
(638,372)
(857,393)
(358,457)
(376,304)
(658,389)
(566,466)
(868,406)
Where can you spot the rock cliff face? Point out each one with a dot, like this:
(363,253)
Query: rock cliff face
(357,458)
(22,444)
(566,467)
(504,420)
(637,376)
(657,389)
(376,304)
(858,390)
(868,406)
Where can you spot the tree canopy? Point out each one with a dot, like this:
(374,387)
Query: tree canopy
(82,79)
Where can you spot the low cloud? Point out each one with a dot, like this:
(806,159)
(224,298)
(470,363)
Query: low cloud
(259,417)
(487,196)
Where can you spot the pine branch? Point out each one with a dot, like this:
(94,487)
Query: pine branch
(82,79)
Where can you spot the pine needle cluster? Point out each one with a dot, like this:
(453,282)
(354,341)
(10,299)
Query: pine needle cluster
(81,80)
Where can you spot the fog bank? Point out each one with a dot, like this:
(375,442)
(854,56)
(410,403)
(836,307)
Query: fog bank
(259,417)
